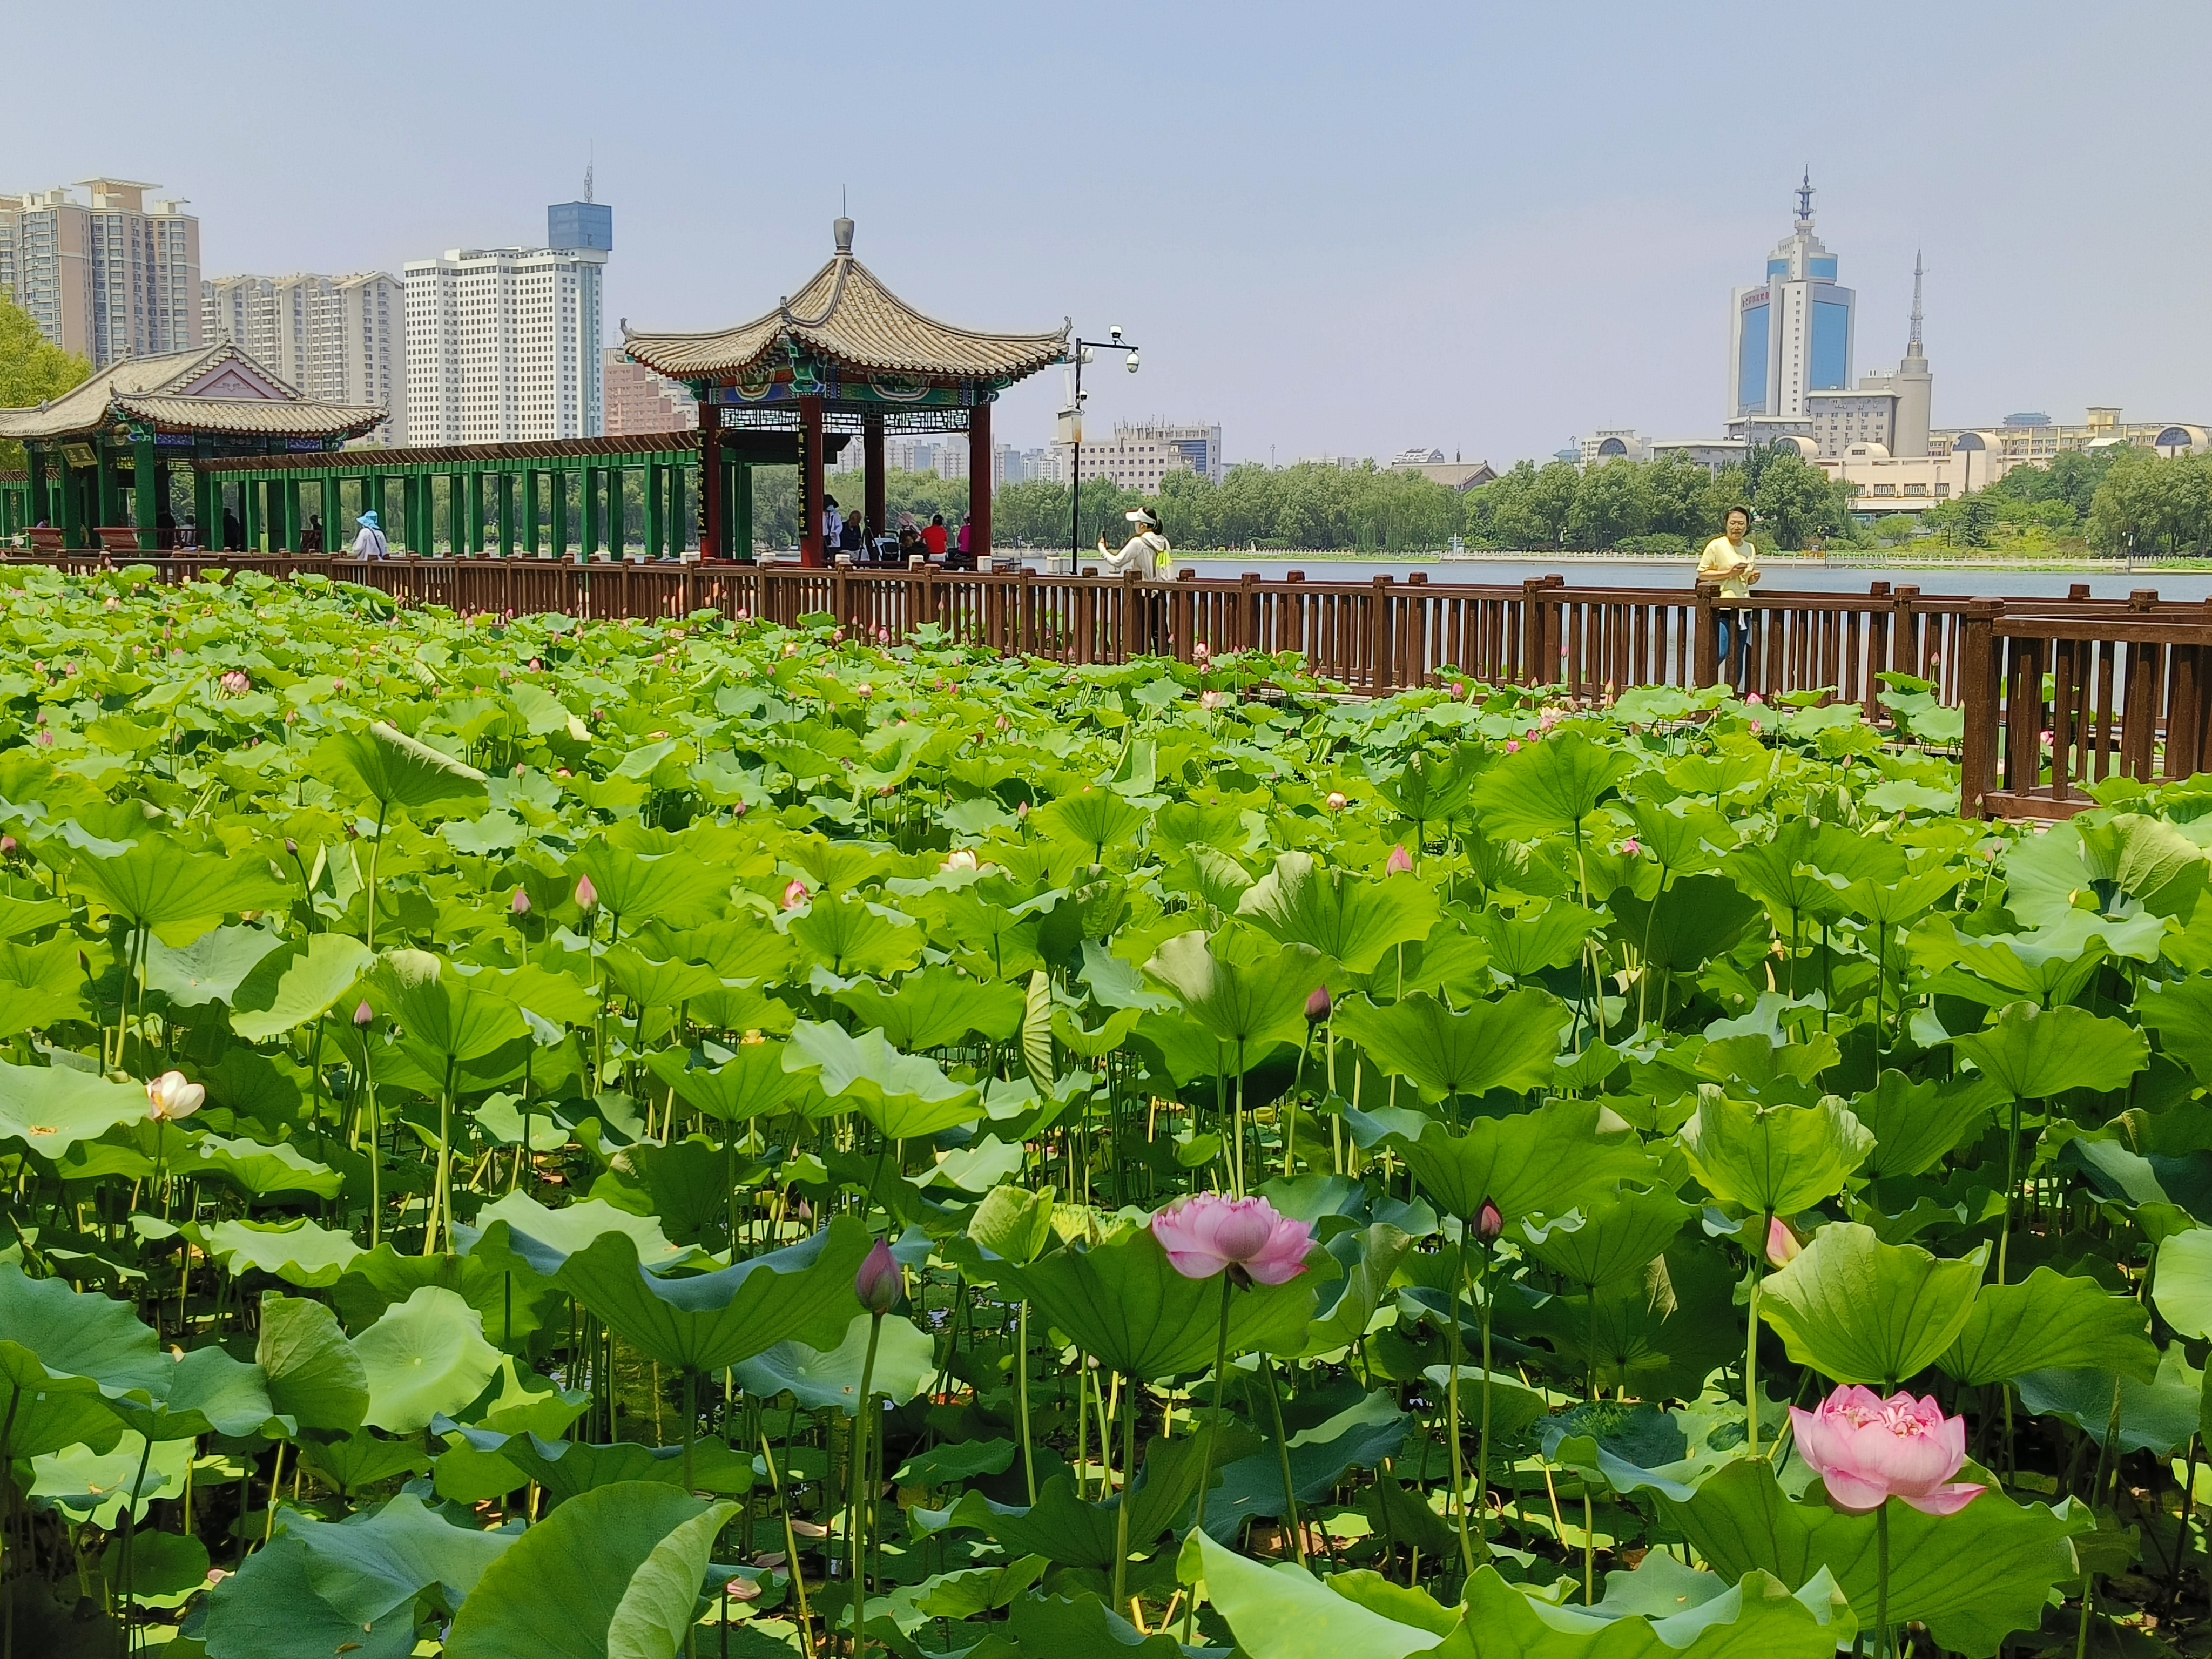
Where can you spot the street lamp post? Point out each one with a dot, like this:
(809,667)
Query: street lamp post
(1082,351)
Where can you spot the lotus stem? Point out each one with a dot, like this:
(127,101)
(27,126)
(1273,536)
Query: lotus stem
(854,1524)
(1451,1408)
(1283,1452)
(1212,1433)
(1021,1391)
(1129,1415)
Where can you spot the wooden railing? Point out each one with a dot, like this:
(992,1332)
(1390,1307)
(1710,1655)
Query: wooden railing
(2130,680)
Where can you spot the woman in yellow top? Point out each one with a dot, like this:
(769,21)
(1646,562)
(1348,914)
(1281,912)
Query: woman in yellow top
(1731,559)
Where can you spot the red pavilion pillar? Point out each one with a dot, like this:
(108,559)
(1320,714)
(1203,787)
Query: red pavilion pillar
(872,458)
(810,483)
(979,480)
(712,542)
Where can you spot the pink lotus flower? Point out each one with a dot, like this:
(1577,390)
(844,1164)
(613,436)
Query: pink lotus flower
(587,896)
(1246,1237)
(1399,863)
(1756,728)
(1781,1245)
(1632,848)
(1318,1005)
(1868,1450)
(1512,746)
(1459,687)
(1336,802)
(169,1097)
(1209,701)
(796,895)
(520,907)
(879,1284)
(864,690)
(1489,1224)
(1754,699)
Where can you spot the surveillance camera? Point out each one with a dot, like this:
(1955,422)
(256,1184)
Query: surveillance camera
(1132,362)
(1115,331)
(1088,355)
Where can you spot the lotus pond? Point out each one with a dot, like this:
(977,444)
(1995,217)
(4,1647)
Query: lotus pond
(531,1138)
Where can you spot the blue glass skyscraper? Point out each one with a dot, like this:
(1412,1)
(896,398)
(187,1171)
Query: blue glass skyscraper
(1795,332)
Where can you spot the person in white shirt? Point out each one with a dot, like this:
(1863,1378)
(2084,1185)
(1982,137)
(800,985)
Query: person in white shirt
(1731,561)
(833,523)
(369,544)
(1146,553)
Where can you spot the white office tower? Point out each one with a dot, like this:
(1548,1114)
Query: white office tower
(1794,333)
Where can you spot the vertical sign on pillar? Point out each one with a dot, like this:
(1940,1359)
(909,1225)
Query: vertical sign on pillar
(979,479)
(146,507)
(810,487)
(712,542)
(872,459)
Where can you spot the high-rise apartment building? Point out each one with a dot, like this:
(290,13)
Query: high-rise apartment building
(1138,456)
(639,400)
(503,343)
(338,339)
(112,279)
(1794,333)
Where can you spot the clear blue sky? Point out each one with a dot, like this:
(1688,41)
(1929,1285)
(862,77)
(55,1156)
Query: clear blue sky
(1334,228)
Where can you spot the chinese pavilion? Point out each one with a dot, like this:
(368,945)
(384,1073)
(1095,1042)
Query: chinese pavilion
(843,356)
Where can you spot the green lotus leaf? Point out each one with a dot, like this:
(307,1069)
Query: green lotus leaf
(256,1168)
(1608,1239)
(41,985)
(155,882)
(484,1464)
(2052,1322)
(48,1330)
(1532,1163)
(269,1610)
(613,1573)
(1973,1578)
(752,1083)
(1510,1043)
(1122,1302)
(50,1108)
(1369,1258)
(2128,856)
(161,1569)
(708,1321)
(936,1007)
(1013,1223)
(210,968)
(1686,925)
(1351,921)
(422,1356)
(651,984)
(2033,1054)
(2181,1283)
(363,1459)
(386,766)
(1775,1160)
(92,1487)
(297,1251)
(208,1392)
(296,984)
(446,1019)
(906,1363)
(2158,1415)
(555,1235)
(2181,1013)
(379,1562)
(908,1097)
(313,1374)
(1859,1310)
(1915,1124)
(850,937)
(1549,788)
(1090,822)
(1245,999)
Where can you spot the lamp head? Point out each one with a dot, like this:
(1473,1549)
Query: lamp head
(1088,355)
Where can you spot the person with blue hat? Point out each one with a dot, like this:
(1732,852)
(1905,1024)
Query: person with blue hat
(370,543)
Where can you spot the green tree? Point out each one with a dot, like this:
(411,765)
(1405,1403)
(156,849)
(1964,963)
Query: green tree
(33,370)
(2149,504)
(1795,500)
(1681,494)
(1612,501)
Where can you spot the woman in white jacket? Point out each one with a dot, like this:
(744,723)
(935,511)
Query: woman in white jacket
(1146,553)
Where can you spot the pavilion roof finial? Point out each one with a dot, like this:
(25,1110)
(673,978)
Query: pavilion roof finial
(842,228)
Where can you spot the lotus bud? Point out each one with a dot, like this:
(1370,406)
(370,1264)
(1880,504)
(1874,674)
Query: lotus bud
(1756,728)
(587,896)
(1336,802)
(364,1017)
(1399,863)
(1512,746)
(83,963)
(864,690)
(7,846)
(1781,1245)
(738,810)
(1021,808)
(879,1284)
(1632,848)
(169,1097)
(1459,687)
(520,907)
(796,895)
(1489,1224)
(1004,723)
(1317,1005)
(291,848)
(1754,699)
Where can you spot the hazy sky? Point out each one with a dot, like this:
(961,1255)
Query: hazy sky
(1338,229)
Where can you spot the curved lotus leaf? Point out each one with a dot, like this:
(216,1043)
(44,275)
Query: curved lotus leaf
(935,1007)
(1510,1043)
(50,1108)
(711,1320)
(40,985)
(297,1251)
(269,1610)
(156,882)
(1973,1578)
(2158,1416)
(906,1362)
(313,1375)
(258,1169)
(651,984)
(2033,1054)
(1893,902)
(1122,1302)
(295,984)
(849,937)
(424,1356)
(49,1330)
(1092,821)
(164,1569)
(1859,1310)
(2051,1323)
(1915,1124)
(1548,933)
(2181,1284)
(1604,1240)
(751,1084)
(1247,998)
(1351,921)
(548,1237)
(1549,788)
(641,887)
(2128,856)
(1532,1163)
(208,1393)
(88,1485)
(906,1095)
(446,1019)
(480,1464)
(2181,1012)
(210,968)
(363,1459)
(384,765)
(1370,1257)
(1774,1160)
(611,1574)
(376,1563)
(1686,925)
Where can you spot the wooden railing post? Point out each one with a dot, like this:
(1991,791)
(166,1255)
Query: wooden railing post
(1247,614)
(1980,686)
(1379,639)
(1705,642)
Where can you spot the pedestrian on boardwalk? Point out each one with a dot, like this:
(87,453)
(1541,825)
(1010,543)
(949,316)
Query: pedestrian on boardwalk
(370,543)
(1732,560)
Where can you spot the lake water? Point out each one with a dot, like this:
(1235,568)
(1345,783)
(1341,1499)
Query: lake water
(1783,576)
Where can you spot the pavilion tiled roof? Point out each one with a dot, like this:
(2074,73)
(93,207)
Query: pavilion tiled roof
(845,314)
(150,389)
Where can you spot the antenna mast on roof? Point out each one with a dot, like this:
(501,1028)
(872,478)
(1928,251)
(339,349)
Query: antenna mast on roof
(590,155)
(1805,202)
(1912,350)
